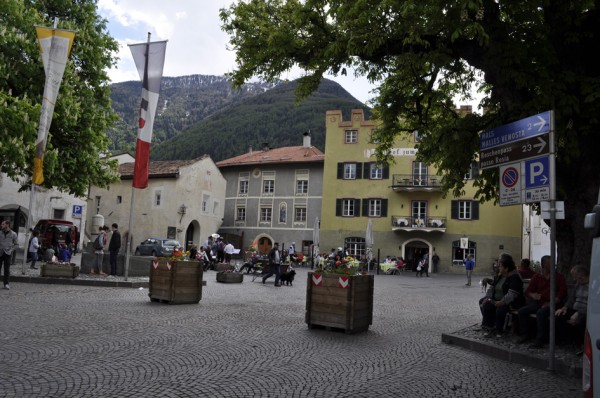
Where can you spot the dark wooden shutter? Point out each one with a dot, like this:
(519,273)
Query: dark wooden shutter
(386,172)
(366,170)
(359,171)
(365,207)
(356,207)
(340,174)
(384,207)
(475,170)
(474,210)
(454,210)
(338,207)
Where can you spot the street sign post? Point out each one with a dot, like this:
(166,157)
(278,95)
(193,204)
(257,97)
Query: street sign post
(529,127)
(510,184)
(514,151)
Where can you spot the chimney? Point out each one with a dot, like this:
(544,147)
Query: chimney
(250,150)
(265,146)
(306,140)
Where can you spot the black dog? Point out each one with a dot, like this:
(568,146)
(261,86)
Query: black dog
(288,278)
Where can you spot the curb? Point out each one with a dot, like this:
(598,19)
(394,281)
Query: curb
(78,282)
(512,355)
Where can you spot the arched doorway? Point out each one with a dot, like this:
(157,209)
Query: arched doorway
(413,251)
(264,243)
(192,235)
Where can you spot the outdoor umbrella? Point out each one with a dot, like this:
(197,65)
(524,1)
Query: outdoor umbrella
(369,243)
(316,228)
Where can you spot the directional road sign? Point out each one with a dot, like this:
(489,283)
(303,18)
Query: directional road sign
(514,151)
(516,131)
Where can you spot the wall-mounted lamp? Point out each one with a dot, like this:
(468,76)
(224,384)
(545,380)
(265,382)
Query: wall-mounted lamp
(436,206)
(182,210)
(402,206)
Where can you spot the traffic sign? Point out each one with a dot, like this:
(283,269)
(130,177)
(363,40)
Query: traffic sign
(514,151)
(537,179)
(77,211)
(510,185)
(529,127)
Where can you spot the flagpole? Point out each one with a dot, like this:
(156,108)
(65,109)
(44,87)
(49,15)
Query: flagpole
(128,245)
(27,227)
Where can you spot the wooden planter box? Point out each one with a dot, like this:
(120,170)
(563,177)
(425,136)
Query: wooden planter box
(229,277)
(59,270)
(339,301)
(175,282)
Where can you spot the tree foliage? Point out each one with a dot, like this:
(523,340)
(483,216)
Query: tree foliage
(82,113)
(524,57)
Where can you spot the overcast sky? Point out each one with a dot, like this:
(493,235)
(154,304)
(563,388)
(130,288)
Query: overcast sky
(196,43)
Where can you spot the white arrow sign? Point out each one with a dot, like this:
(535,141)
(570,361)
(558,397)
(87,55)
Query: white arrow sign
(541,144)
(541,123)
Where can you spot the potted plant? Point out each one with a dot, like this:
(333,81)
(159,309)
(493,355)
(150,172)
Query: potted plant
(58,269)
(228,276)
(175,279)
(339,297)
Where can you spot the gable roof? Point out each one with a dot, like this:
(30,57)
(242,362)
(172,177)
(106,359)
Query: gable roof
(289,154)
(157,168)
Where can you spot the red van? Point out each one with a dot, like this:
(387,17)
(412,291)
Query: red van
(48,227)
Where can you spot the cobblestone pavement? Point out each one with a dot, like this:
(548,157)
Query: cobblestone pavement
(250,340)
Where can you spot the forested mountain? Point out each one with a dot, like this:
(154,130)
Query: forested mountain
(201,114)
(272,118)
(183,102)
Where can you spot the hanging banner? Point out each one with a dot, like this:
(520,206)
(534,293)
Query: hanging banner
(464,243)
(56,46)
(149,59)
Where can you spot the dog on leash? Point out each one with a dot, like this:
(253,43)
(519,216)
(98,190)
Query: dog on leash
(288,278)
(484,284)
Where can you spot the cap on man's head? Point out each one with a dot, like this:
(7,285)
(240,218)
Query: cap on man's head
(275,244)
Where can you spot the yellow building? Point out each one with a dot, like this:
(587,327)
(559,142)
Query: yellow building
(410,217)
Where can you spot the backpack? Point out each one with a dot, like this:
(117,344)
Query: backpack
(97,244)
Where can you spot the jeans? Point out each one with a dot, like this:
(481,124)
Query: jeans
(493,316)
(34,258)
(99,259)
(6,260)
(273,270)
(542,315)
(469,273)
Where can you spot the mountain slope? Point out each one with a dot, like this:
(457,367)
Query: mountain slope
(272,117)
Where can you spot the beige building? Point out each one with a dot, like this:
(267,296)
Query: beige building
(184,200)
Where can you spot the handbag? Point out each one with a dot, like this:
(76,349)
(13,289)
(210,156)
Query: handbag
(419,267)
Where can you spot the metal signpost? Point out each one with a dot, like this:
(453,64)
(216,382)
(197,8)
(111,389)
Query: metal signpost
(528,181)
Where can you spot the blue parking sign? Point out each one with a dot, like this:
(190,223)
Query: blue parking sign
(77,211)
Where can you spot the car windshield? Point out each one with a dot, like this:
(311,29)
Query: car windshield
(171,242)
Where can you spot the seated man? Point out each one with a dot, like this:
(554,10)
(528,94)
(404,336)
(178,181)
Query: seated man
(504,294)
(525,270)
(538,292)
(571,318)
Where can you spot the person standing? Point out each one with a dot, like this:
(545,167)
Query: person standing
(274,262)
(99,251)
(34,246)
(228,249)
(114,247)
(220,250)
(435,259)
(8,243)
(469,267)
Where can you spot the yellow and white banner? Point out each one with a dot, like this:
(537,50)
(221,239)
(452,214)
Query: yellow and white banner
(56,46)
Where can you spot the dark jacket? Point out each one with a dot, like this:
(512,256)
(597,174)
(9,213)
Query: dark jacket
(512,290)
(272,258)
(115,242)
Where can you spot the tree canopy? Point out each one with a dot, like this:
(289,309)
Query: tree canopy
(523,57)
(82,113)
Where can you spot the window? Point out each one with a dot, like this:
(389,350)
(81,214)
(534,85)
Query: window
(376,172)
(268,186)
(374,207)
(157,197)
(240,214)
(243,187)
(98,204)
(59,214)
(205,199)
(283,213)
(119,199)
(473,172)
(300,214)
(215,207)
(302,187)
(419,213)
(356,246)
(347,207)
(419,174)
(351,137)
(465,210)
(349,171)
(417,137)
(266,214)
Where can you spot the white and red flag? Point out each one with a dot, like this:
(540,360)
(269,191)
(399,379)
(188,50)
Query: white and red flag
(149,59)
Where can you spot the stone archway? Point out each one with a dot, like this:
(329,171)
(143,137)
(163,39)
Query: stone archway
(414,249)
(264,243)
(192,235)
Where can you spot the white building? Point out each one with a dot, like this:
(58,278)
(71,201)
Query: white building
(184,200)
(47,203)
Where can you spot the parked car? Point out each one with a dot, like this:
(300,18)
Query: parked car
(48,227)
(157,247)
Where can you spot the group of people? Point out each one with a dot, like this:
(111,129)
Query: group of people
(506,293)
(114,246)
